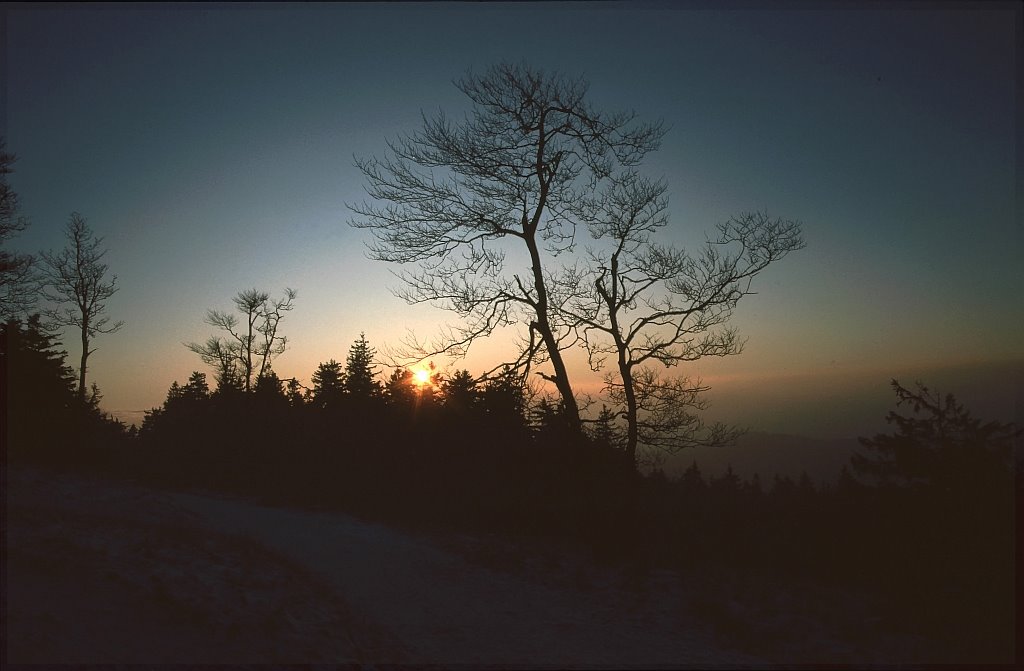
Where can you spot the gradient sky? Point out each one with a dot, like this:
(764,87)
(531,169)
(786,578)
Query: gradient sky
(212,146)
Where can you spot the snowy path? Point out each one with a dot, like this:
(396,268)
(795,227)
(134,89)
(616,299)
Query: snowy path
(445,610)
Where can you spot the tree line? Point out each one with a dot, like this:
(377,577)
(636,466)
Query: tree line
(529,170)
(921,520)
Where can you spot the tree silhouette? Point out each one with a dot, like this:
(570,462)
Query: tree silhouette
(551,422)
(17,286)
(604,431)
(43,414)
(503,402)
(269,393)
(398,390)
(174,393)
(460,394)
(293,390)
(753,486)
(946,481)
(75,282)
(360,371)
(511,171)
(940,447)
(726,484)
(34,367)
(643,303)
(269,384)
(196,389)
(328,384)
(244,356)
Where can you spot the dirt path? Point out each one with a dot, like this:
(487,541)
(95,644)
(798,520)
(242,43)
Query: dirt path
(445,610)
(111,573)
(104,572)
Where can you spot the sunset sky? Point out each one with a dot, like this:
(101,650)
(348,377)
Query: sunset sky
(212,146)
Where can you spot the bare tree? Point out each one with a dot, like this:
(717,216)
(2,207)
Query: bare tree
(459,197)
(244,356)
(646,304)
(74,281)
(18,290)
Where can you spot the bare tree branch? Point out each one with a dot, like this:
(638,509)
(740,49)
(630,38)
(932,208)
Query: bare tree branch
(244,357)
(18,282)
(643,303)
(74,282)
(457,197)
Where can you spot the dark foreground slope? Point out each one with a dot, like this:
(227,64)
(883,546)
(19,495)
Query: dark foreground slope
(98,572)
(103,572)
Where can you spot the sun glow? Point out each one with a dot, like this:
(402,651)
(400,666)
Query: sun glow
(421,377)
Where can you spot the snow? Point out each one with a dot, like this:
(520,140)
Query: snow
(104,572)
(448,611)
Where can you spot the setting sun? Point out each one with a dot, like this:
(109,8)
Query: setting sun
(421,377)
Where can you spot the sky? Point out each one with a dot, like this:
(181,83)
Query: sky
(212,146)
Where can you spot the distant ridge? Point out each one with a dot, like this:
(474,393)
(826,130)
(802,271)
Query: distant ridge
(770,454)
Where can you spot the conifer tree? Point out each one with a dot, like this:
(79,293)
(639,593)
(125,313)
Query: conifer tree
(295,396)
(460,393)
(269,386)
(328,384)
(604,432)
(196,389)
(174,393)
(360,370)
(939,446)
(41,407)
(398,390)
(504,401)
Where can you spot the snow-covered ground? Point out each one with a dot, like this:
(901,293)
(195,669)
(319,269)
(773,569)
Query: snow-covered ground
(102,572)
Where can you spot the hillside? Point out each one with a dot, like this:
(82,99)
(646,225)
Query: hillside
(104,572)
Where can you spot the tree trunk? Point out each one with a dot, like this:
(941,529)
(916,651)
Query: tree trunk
(632,430)
(248,353)
(611,299)
(81,369)
(561,376)
(570,407)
